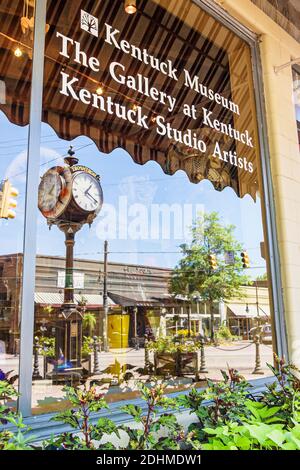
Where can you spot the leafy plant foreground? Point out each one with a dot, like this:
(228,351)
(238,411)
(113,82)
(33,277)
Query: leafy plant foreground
(228,416)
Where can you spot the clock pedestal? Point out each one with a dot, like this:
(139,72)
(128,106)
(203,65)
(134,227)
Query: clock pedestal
(68,341)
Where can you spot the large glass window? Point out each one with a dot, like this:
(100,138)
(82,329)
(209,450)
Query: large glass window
(151,233)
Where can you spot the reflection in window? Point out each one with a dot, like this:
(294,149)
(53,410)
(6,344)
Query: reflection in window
(296,96)
(150,186)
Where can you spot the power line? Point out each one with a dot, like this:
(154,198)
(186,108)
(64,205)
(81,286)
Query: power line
(23,138)
(53,139)
(25,150)
(50,161)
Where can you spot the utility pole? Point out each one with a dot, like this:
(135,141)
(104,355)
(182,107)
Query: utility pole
(105,298)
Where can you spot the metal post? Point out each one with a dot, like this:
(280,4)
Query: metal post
(36,372)
(147,359)
(31,211)
(212,321)
(69,269)
(189,321)
(96,356)
(257,370)
(202,369)
(136,339)
(105,299)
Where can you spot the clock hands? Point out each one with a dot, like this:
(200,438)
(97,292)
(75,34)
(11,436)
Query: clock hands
(91,197)
(51,191)
(87,193)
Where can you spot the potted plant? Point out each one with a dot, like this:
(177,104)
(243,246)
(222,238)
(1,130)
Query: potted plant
(175,357)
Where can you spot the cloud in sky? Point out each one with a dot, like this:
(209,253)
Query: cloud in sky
(16,171)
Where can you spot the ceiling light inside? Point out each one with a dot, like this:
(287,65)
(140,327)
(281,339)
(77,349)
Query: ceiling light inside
(130,6)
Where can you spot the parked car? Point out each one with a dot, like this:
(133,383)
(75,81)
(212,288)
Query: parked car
(265,332)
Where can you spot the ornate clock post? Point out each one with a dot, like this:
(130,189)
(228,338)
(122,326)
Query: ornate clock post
(68,339)
(69,197)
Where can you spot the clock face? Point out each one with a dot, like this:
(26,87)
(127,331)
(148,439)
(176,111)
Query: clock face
(87,192)
(49,191)
(55,192)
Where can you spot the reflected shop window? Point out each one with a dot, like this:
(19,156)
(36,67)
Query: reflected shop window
(15,84)
(151,243)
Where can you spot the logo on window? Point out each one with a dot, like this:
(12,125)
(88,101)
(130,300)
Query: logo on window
(89,23)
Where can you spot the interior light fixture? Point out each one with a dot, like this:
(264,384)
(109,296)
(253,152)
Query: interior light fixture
(18,52)
(100,90)
(130,6)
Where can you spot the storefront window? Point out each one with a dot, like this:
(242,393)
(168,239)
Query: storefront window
(15,84)
(151,231)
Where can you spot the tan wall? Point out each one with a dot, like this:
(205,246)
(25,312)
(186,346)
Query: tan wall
(277,48)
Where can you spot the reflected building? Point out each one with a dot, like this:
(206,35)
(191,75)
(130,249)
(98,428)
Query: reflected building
(138,297)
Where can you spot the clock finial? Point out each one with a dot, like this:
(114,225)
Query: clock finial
(71,159)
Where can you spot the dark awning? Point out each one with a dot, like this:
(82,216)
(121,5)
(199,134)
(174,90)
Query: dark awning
(188,37)
(145,300)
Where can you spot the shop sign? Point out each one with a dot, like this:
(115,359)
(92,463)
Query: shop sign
(71,49)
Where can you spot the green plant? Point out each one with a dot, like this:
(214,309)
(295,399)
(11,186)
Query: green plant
(48,309)
(89,322)
(47,346)
(229,417)
(84,401)
(224,334)
(149,425)
(285,391)
(168,344)
(88,345)
(7,390)
(185,333)
(218,404)
(270,421)
(260,436)
(9,440)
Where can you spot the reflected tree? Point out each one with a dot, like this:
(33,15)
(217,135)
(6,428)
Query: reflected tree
(196,276)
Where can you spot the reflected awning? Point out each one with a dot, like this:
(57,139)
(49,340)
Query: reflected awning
(56,299)
(248,310)
(143,300)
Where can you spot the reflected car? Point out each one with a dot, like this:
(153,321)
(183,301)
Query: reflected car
(265,333)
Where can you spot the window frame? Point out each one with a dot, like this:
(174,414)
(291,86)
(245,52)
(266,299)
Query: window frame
(31,210)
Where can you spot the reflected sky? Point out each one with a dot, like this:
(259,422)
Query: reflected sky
(131,193)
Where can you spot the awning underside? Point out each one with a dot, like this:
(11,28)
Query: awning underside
(192,41)
(53,298)
(144,299)
(248,310)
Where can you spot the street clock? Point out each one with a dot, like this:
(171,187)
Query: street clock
(72,193)
(69,197)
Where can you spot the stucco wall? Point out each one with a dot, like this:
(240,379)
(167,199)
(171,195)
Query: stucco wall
(277,48)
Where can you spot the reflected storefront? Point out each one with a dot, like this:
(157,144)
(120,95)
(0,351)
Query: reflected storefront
(147,226)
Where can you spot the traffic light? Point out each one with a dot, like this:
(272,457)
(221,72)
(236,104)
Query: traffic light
(245,259)
(212,262)
(7,201)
